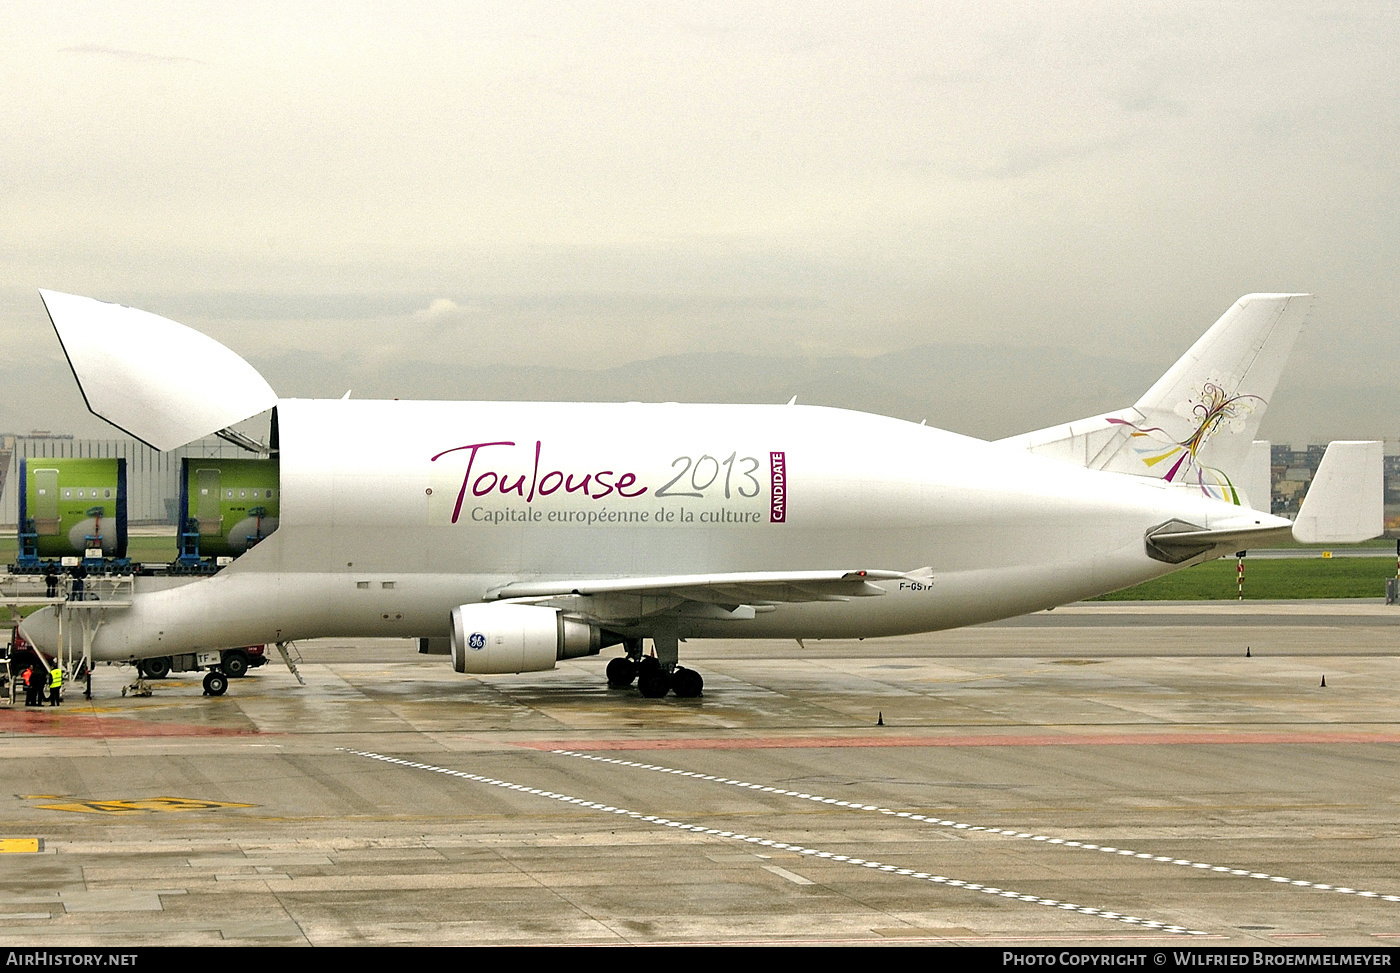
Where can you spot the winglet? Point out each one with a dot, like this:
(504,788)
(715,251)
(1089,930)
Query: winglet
(157,380)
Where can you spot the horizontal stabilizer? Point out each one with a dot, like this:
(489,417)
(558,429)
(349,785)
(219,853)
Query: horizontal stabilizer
(1176,542)
(1345,503)
(159,381)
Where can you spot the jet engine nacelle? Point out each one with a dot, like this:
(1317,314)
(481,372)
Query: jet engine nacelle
(517,638)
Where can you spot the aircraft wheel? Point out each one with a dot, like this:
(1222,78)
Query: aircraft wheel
(234,664)
(653,682)
(687,683)
(622,672)
(215,683)
(154,668)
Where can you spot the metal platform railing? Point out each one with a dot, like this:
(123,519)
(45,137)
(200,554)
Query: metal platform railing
(81,605)
(27,590)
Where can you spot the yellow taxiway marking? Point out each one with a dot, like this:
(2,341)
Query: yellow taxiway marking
(22,845)
(142,805)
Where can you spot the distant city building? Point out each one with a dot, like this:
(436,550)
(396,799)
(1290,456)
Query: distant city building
(1290,472)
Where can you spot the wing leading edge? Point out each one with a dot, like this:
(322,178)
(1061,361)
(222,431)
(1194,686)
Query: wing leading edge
(739,595)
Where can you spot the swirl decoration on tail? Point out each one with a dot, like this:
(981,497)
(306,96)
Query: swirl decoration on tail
(1211,410)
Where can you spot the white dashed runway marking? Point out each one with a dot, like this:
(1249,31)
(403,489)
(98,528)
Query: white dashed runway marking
(782,845)
(1004,832)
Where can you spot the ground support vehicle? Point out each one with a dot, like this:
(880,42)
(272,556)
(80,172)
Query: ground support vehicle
(222,666)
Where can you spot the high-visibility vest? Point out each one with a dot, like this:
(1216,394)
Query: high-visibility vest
(56,678)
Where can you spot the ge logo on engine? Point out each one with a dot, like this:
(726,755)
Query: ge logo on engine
(477,641)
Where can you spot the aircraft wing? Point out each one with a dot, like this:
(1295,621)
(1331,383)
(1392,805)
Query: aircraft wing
(736,595)
(743,586)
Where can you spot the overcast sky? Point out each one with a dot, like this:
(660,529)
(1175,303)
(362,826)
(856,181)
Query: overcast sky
(363,194)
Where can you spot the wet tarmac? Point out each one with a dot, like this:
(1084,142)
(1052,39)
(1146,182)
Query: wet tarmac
(1102,775)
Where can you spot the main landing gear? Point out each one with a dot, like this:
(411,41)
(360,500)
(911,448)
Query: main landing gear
(686,683)
(622,672)
(654,678)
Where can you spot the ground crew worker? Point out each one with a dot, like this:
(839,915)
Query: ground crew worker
(55,685)
(29,686)
(51,582)
(79,574)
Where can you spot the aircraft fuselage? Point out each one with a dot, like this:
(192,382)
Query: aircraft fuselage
(393,513)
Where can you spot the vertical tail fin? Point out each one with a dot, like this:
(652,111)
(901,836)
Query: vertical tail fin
(1196,425)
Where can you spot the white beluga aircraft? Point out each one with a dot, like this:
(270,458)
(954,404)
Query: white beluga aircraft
(528,533)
